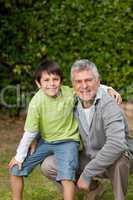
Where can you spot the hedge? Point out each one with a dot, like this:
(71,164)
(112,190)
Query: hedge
(66,30)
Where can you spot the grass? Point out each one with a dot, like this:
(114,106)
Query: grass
(37,187)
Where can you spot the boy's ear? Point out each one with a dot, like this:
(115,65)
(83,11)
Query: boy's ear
(38,84)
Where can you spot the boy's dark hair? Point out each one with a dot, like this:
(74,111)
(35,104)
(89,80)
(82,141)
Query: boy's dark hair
(51,67)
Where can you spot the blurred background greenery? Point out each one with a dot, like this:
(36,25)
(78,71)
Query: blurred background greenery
(65,30)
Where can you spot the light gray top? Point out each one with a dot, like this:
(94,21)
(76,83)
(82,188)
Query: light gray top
(108,130)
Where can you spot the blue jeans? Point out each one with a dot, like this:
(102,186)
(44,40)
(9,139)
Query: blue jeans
(66,154)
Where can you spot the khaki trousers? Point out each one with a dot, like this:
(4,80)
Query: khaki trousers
(117,173)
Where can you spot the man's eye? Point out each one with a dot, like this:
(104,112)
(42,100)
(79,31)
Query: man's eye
(89,80)
(77,81)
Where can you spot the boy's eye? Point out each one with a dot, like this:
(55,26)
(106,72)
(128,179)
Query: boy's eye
(56,79)
(45,80)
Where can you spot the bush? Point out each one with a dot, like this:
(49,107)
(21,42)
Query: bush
(65,31)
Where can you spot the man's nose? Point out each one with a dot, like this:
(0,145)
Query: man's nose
(84,85)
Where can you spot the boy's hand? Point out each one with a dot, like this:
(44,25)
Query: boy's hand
(115,95)
(32,147)
(15,162)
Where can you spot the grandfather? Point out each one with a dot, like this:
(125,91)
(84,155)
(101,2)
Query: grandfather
(104,132)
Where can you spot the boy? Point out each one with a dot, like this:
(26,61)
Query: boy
(51,114)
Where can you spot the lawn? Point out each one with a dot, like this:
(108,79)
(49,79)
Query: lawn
(37,187)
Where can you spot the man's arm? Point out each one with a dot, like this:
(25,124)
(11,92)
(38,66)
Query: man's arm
(115,144)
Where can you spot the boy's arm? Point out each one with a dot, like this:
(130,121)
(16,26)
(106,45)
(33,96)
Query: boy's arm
(113,93)
(31,130)
(22,149)
(24,145)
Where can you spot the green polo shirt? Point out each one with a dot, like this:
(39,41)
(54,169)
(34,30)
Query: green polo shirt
(53,116)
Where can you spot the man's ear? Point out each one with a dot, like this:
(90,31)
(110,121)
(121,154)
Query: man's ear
(38,84)
(98,82)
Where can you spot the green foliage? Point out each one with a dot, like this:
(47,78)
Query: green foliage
(97,30)
(66,30)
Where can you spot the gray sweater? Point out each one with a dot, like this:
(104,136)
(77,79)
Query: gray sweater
(105,137)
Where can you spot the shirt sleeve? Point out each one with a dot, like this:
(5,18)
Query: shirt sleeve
(24,144)
(33,118)
(104,87)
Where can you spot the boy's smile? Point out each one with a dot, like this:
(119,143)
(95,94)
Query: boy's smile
(50,84)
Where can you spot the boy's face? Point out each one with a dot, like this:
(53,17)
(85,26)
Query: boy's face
(50,84)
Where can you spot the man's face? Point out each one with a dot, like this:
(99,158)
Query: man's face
(85,84)
(50,84)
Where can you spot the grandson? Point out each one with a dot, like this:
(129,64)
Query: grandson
(50,113)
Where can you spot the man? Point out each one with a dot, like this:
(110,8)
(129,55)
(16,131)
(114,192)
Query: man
(103,130)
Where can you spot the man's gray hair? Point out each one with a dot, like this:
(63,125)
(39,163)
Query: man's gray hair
(85,64)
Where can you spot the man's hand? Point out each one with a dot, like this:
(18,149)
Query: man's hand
(83,185)
(115,95)
(15,162)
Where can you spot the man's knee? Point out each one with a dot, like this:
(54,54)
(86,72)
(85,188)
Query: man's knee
(118,172)
(123,165)
(131,163)
(49,168)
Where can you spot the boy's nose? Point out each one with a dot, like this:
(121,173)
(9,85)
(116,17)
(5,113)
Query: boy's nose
(51,82)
